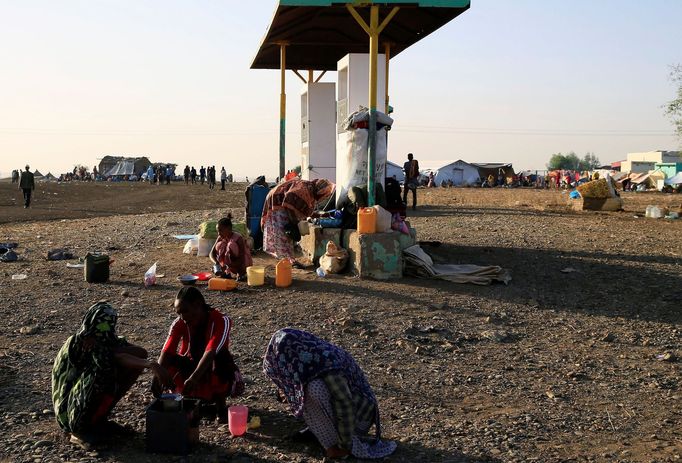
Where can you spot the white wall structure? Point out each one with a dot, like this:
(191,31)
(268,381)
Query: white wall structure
(644,162)
(318,131)
(353,85)
(460,172)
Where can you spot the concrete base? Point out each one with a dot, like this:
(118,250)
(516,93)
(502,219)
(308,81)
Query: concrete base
(593,204)
(377,255)
(314,244)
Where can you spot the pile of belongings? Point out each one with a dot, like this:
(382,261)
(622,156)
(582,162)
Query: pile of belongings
(334,259)
(418,263)
(7,253)
(602,188)
(208,230)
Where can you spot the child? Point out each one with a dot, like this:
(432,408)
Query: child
(230,254)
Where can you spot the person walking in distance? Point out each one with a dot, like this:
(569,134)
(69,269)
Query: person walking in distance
(223,178)
(186,172)
(411,169)
(27,184)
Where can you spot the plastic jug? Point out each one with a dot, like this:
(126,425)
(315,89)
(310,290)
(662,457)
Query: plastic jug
(237,418)
(255,275)
(204,247)
(367,220)
(384,219)
(657,212)
(222,284)
(283,273)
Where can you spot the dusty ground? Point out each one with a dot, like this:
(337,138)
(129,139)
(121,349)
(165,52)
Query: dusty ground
(557,366)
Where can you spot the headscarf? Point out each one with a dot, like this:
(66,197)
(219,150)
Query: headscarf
(297,196)
(295,357)
(80,375)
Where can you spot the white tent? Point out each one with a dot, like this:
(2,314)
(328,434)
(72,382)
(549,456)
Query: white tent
(394,170)
(677,179)
(459,172)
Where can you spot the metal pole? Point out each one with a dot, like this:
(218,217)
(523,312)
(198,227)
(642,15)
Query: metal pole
(387,54)
(372,145)
(282,111)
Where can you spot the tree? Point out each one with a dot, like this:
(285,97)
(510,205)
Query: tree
(590,162)
(673,109)
(571,161)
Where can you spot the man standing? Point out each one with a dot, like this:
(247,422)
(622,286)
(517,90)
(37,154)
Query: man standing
(27,185)
(223,178)
(202,174)
(411,169)
(186,172)
(169,174)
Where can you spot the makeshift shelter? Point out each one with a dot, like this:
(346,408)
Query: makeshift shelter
(109,165)
(459,172)
(488,168)
(316,34)
(394,170)
(49,177)
(649,179)
(127,167)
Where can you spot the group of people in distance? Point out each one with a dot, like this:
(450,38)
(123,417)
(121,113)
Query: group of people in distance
(191,176)
(321,382)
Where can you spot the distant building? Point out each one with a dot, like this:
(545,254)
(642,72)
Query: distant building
(670,169)
(645,162)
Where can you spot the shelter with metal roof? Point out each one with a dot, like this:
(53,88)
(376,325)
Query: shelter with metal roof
(314,35)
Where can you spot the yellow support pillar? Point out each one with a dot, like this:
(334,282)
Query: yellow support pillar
(387,54)
(282,110)
(372,145)
(373,29)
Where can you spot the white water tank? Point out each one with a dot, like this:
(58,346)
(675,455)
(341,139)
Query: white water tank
(318,131)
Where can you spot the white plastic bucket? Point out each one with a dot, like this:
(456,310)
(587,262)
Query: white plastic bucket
(204,247)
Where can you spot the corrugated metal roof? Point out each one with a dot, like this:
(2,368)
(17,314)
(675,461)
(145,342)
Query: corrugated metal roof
(319,33)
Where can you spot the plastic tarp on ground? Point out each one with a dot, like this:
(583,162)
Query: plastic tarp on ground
(459,172)
(420,264)
(676,180)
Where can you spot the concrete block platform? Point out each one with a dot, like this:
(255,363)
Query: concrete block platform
(377,255)
(314,244)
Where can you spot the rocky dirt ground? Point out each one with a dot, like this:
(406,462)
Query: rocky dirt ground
(577,359)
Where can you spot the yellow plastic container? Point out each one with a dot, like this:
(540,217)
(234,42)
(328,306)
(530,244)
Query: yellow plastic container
(283,273)
(367,220)
(255,275)
(222,284)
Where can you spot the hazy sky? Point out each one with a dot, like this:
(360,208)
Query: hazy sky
(506,81)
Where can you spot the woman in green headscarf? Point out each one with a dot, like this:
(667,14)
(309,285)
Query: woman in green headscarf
(93,370)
